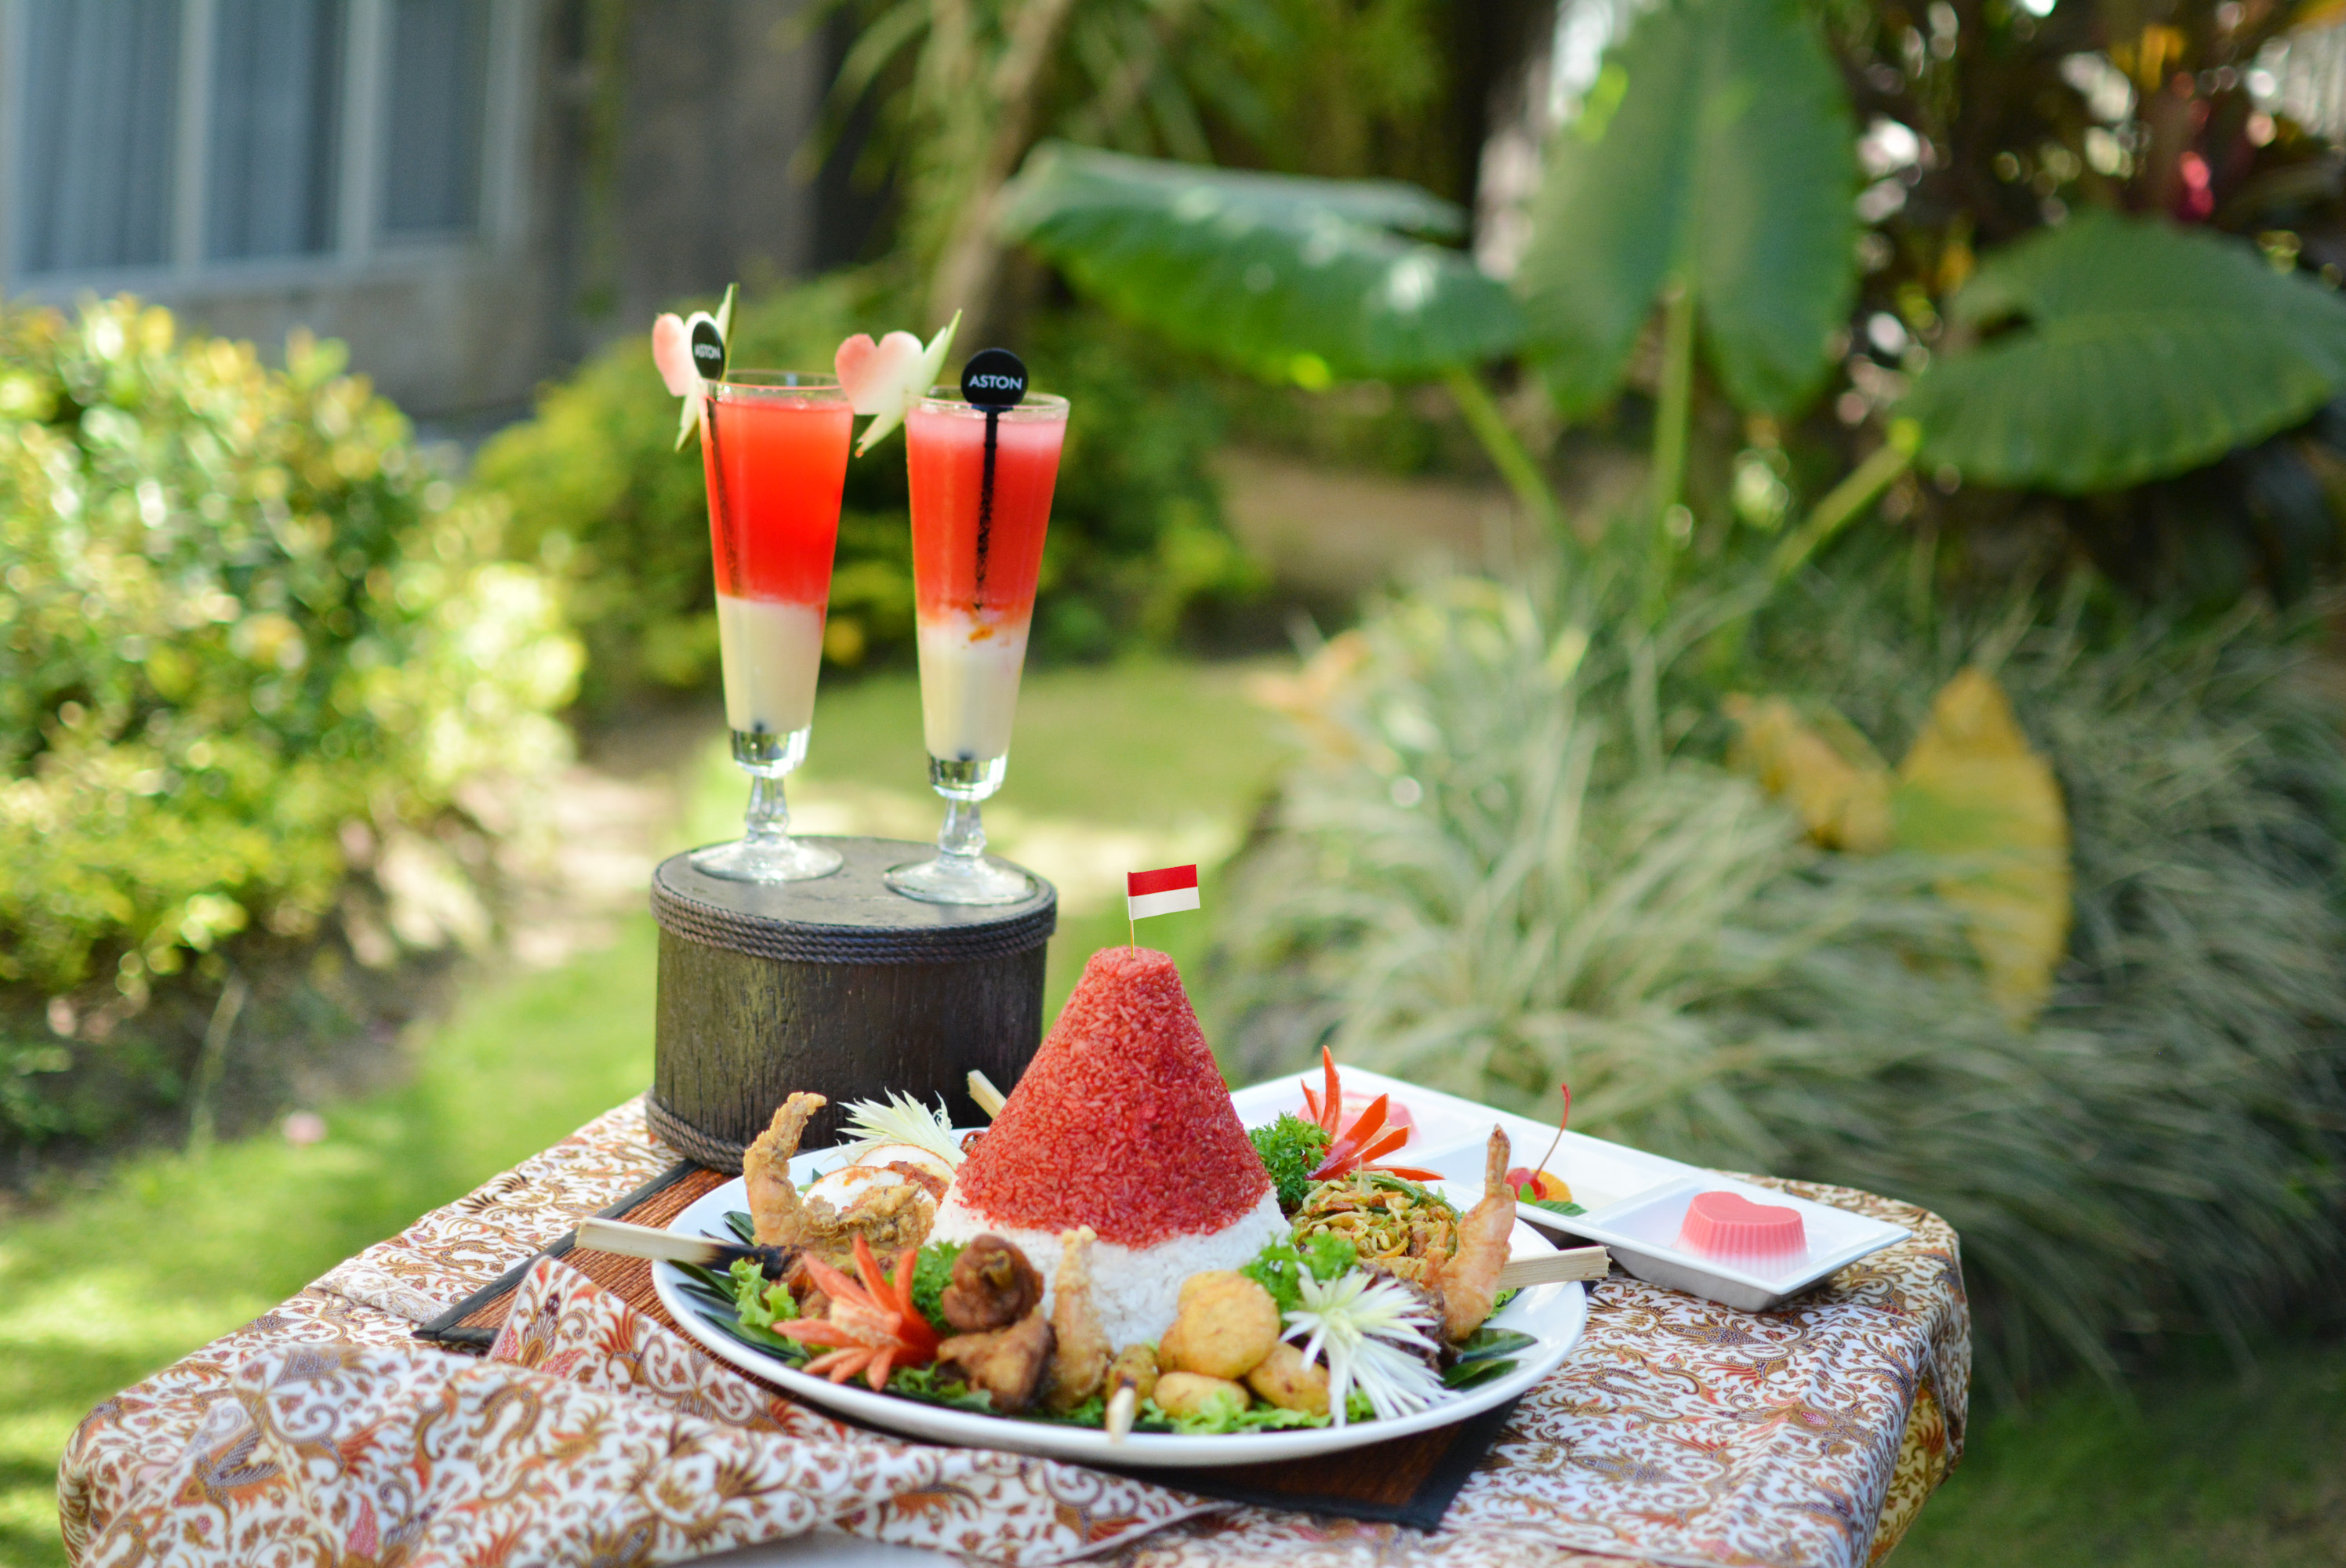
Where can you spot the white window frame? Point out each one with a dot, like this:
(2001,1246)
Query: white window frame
(361,248)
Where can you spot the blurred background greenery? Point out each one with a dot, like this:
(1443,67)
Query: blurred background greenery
(1775,562)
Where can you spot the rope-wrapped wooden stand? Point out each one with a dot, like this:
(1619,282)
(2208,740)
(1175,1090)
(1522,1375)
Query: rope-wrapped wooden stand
(838,986)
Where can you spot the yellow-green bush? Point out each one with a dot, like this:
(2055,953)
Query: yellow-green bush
(249,631)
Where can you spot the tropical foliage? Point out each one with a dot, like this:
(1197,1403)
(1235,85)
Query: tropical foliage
(1708,171)
(251,638)
(1714,160)
(963,91)
(2135,350)
(1518,861)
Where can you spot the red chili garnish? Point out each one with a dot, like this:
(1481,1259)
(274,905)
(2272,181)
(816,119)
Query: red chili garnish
(873,1327)
(1368,1139)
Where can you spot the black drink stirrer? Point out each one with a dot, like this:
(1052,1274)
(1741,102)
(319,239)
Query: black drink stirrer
(993,379)
(708,357)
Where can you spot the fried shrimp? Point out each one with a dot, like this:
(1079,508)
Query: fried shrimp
(1079,1355)
(1469,1277)
(766,1173)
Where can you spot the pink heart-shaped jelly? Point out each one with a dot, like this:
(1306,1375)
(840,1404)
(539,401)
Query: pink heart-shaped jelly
(1726,1224)
(1730,1208)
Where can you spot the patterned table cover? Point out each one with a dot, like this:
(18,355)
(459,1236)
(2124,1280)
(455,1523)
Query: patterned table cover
(1679,1432)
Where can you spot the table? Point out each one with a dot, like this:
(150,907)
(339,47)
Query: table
(1679,1431)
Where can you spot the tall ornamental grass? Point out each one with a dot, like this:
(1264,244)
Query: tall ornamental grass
(1518,858)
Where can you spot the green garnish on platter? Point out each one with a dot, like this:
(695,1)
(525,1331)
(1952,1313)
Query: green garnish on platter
(1291,1149)
(1278,1266)
(1553,1204)
(932,1272)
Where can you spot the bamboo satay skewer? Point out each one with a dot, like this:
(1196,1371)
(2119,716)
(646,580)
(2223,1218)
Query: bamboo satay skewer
(989,1098)
(1554,1267)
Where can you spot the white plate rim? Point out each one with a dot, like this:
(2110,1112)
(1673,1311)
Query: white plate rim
(1559,1311)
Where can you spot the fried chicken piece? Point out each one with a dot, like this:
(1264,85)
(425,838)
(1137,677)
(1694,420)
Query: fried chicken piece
(1135,1368)
(766,1173)
(1007,1363)
(1079,1356)
(1468,1280)
(993,1286)
(891,1217)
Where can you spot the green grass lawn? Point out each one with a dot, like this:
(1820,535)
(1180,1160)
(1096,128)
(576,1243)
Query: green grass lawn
(170,1252)
(2181,1471)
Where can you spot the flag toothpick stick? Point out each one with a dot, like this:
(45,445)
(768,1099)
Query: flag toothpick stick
(1163,891)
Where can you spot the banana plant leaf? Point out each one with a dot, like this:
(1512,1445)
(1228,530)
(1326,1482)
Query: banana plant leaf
(1715,147)
(1290,279)
(2131,351)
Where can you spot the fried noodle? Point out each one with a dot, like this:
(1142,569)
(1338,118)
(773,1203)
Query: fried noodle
(1392,1224)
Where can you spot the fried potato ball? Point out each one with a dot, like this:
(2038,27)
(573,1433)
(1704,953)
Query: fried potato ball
(1194,1394)
(1282,1378)
(1225,1323)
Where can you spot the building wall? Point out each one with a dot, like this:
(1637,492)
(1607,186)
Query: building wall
(636,152)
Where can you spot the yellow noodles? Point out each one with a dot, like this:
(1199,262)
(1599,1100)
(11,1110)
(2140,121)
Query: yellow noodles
(1395,1226)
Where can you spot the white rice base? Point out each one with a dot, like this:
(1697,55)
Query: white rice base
(1135,1290)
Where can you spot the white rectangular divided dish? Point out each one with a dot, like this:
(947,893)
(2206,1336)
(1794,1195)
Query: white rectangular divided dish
(1633,1201)
(1644,1233)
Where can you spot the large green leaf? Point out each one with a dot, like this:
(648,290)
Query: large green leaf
(2135,350)
(1717,146)
(1288,278)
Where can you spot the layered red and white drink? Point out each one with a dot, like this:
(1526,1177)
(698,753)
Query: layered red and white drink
(982,479)
(774,455)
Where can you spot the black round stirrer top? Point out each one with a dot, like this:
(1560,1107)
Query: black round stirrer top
(708,359)
(993,379)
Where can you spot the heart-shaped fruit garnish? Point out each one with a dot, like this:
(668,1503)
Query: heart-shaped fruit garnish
(886,378)
(872,372)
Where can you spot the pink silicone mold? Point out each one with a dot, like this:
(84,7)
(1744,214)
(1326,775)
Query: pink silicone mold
(1733,1229)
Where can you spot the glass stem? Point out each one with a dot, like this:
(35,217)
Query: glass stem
(768,820)
(964,834)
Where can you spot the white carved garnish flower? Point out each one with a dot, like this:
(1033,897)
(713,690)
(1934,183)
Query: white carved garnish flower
(901,1119)
(672,353)
(1371,1331)
(886,378)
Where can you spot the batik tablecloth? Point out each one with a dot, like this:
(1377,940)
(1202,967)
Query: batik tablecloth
(1679,1432)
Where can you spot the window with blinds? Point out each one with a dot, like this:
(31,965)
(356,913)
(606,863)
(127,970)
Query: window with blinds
(174,133)
(100,98)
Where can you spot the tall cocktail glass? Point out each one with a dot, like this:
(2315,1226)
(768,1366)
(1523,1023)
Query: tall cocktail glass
(982,483)
(774,449)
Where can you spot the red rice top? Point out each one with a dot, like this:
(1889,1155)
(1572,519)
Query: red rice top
(1121,1122)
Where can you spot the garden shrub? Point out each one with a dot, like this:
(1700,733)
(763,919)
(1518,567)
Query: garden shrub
(251,637)
(598,495)
(1516,860)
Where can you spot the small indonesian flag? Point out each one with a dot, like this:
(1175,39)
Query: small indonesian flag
(1161,893)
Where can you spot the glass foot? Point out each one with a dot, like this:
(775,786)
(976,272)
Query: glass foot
(767,860)
(961,880)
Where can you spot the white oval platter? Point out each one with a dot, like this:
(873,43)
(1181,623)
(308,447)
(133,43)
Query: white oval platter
(1554,1315)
